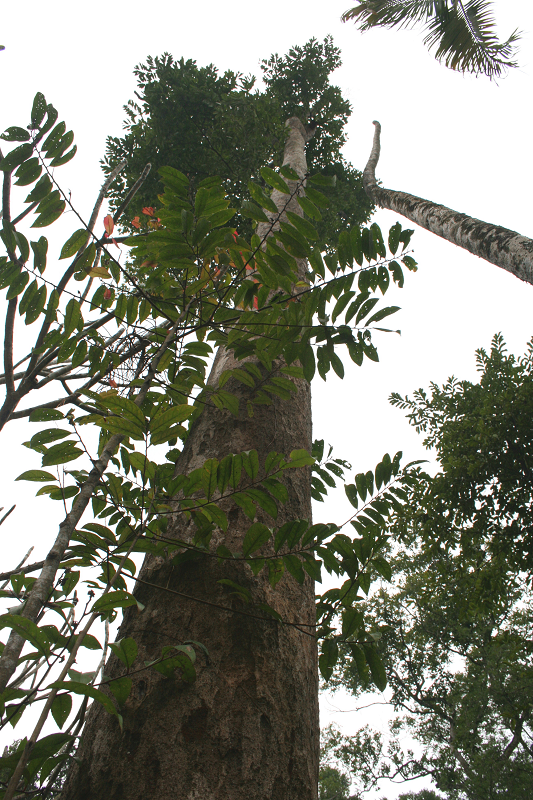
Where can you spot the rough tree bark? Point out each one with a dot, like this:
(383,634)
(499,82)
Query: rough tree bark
(507,249)
(247,729)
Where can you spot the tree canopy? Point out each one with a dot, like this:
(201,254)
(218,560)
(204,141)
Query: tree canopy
(205,123)
(455,625)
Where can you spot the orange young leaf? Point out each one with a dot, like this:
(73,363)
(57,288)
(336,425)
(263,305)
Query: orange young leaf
(149,211)
(109,224)
(136,222)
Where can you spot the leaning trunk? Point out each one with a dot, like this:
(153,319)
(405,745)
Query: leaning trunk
(247,729)
(507,249)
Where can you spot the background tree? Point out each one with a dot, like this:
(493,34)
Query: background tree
(455,631)
(463,33)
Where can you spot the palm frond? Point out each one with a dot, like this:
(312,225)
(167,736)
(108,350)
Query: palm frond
(463,33)
(465,39)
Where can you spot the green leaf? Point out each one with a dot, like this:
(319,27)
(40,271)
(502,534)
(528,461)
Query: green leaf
(72,316)
(299,458)
(264,501)
(276,568)
(50,215)
(316,197)
(42,188)
(45,415)
(75,243)
(49,745)
(15,134)
(249,209)
(328,658)
(38,110)
(394,237)
(16,157)
(28,172)
(293,565)
(377,670)
(87,691)
(309,208)
(101,530)
(261,198)
(27,630)
(383,567)
(40,249)
(36,475)
(112,600)
(120,689)
(160,425)
(61,454)
(48,435)
(61,708)
(307,358)
(322,180)
(18,285)
(256,536)
(302,225)
(126,650)
(275,180)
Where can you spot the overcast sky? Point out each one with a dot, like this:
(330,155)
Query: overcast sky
(459,141)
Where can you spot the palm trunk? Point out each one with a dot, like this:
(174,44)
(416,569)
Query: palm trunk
(507,249)
(247,729)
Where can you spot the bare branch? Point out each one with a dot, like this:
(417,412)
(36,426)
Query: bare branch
(5,517)
(506,249)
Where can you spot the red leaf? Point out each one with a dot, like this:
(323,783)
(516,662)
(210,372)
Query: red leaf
(136,222)
(107,294)
(109,225)
(149,211)
(113,383)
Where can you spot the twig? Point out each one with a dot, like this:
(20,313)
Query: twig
(25,212)
(29,568)
(25,557)
(3,519)
(132,192)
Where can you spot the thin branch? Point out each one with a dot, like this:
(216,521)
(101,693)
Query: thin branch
(230,610)
(28,568)
(4,518)
(25,212)
(6,197)
(132,192)
(17,568)
(8,347)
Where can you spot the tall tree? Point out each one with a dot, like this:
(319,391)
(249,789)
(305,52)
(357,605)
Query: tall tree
(248,727)
(463,33)
(191,278)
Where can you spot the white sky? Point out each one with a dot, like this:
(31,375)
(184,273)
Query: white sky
(459,141)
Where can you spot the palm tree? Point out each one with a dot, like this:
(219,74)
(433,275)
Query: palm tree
(463,32)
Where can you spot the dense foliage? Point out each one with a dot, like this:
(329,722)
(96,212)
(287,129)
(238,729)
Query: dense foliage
(455,627)
(204,123)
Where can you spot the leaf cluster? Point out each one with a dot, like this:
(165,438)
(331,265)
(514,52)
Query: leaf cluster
(463,34)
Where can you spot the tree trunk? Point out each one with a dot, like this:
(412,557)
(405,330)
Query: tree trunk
(247,729)
(507,249)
